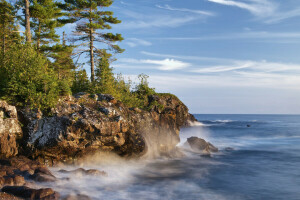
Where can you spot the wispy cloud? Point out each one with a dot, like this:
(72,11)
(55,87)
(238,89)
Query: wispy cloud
(253,67)
(133,42)
(265,10)
(167,64)
(280,16)
(259,8)
(157,21)
(243,35)
(164,65)
(200,12)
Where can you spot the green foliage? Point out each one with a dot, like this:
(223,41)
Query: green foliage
(81,82)
(45,16)
(26,79)
(105,81)
(64,66)
(8,27)
(92,26)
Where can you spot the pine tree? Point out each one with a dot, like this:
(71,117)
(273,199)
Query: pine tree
(45,19)
(8,33)
(90,21)
(105,81)
(63,65)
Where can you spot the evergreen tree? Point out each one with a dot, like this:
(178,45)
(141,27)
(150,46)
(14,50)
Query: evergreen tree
(8,33)
(90,21)
(63,65)
(105,81)
(81,82)
(45,18)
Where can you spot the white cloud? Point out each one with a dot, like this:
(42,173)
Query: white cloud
(243,35)
(200,12)
(133,42)
(157,22)
(253,67)
(280,16)
(167,64)
(266,10)
(164,65)
(216,69)
(259,8)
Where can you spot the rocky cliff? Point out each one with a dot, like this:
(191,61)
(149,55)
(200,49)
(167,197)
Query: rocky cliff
(83,124)
(78,126)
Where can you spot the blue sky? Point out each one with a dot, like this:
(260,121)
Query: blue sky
(218,56)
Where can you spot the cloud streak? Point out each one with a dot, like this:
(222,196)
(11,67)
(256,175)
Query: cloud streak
(269,12)
(163,65)
(242,35)
(134,42)
(259,8)
(200,12)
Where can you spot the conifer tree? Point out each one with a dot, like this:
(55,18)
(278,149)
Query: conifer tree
(45,18)
(105,82)
(8,28)
(90,21)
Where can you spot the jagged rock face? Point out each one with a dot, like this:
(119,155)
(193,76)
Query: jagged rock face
(84,124)
(10,130)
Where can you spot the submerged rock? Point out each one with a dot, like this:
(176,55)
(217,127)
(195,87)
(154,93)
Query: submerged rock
(81,171)
(201,145)
(77,197)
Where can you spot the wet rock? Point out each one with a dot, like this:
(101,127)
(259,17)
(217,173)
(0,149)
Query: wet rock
(77,197)
(29,193)
(5,196)
(201,145)
(229,149)
(81,171)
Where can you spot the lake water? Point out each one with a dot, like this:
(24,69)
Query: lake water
(263,162)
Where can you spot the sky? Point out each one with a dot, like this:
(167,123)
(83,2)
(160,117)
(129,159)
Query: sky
(217,56)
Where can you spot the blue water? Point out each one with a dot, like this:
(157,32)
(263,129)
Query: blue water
(263,162)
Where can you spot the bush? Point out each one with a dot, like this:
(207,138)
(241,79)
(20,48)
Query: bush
(26,79)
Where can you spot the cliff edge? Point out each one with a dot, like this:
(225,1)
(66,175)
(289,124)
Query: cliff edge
(83,124)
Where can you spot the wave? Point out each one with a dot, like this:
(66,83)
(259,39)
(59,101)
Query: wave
(197,123)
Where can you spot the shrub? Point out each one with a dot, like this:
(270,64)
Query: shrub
(26,79)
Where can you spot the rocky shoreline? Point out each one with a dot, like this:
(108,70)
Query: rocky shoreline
(80,126)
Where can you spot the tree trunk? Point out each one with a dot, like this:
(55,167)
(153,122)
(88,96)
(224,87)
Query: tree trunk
(92,55)
(27,22)
(64,39)
(92,50)
(3,39)
(38,43)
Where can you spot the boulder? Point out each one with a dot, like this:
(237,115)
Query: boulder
(10,130)
(200,145)
(29,193)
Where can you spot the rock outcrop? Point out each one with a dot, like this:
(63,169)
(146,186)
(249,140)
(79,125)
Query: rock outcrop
(83,124)
(19,177)
(10,130)
(201,146)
